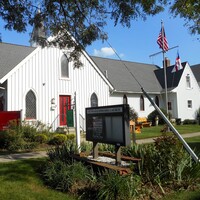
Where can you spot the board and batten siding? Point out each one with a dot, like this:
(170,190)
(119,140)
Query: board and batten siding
(40,72)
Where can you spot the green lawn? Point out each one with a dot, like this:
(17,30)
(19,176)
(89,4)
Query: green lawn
(19,180)
(155,131)
(184,195)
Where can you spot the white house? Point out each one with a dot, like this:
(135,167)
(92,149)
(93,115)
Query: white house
(42,83)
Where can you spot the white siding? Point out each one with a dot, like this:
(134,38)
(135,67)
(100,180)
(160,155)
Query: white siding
(40,72)
(134,102)
(184,94)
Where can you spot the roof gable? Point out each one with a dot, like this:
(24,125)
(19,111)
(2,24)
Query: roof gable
(173,79)
(11,55)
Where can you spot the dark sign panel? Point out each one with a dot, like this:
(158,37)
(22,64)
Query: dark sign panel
(108,124)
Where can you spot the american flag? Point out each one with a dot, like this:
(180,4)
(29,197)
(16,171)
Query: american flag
(178,64)
(162,40)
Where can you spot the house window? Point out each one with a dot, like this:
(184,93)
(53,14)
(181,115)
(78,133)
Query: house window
(157,101)
(94,100)
(125,100)
(141,103)
(188,81)
(189,103)
(30,105)
(64,67)
(169,105)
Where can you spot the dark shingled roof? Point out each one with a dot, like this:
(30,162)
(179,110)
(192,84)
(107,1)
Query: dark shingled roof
(11,55)
(122,80)
(196,71)
(172,78)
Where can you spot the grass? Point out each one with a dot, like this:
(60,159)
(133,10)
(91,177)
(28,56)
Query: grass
(184,195)
(155,131)
(19,180)
(193,139)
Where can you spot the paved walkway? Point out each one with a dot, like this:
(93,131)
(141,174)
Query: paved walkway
(40,154)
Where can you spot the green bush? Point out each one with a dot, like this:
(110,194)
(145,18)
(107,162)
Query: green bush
(113,186)
(58,139)
(65,177)
(3,139)
(152,116)
(41,138)
(70,136)
(29,133)
(63,152)
(189,121)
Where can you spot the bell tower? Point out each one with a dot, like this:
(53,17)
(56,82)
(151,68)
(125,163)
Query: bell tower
(39,33)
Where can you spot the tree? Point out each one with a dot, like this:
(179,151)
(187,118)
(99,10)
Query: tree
(85,20)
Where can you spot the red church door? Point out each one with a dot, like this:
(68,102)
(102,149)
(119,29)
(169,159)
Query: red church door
(65,105)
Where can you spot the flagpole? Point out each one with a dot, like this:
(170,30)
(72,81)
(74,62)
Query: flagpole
(165,71)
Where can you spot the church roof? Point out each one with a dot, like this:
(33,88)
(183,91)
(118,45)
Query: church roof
(172,78)
(11,55)
(196,71)
(128,76)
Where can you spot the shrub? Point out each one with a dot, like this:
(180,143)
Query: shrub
(189,121)
(133,114)
(41,138)
(58,139)
(63,152)
(3,139)
(65,177)
(113,186)
(70,136)
(29,133)
(152,116)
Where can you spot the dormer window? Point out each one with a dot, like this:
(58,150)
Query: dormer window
(188,81)
(64,67)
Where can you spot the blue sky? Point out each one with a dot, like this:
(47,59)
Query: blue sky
(136,43)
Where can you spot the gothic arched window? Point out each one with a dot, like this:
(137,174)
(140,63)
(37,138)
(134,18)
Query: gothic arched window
(64,67)
(94,100)
(157,101)
(125,99)
(30,105)
(141,103)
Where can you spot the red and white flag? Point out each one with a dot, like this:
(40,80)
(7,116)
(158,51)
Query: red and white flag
(178,65)
(162,40)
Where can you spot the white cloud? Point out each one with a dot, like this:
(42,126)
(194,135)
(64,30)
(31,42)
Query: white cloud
(104,52)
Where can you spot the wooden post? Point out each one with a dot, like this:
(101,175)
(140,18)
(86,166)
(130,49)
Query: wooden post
(95,150)
(118,154)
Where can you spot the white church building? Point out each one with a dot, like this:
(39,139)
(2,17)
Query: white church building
(42,83)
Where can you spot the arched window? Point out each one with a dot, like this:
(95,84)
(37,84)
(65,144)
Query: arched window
(94,100)
(64,67)
(141,103)
(30,105)
(157,101)
(125,100)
